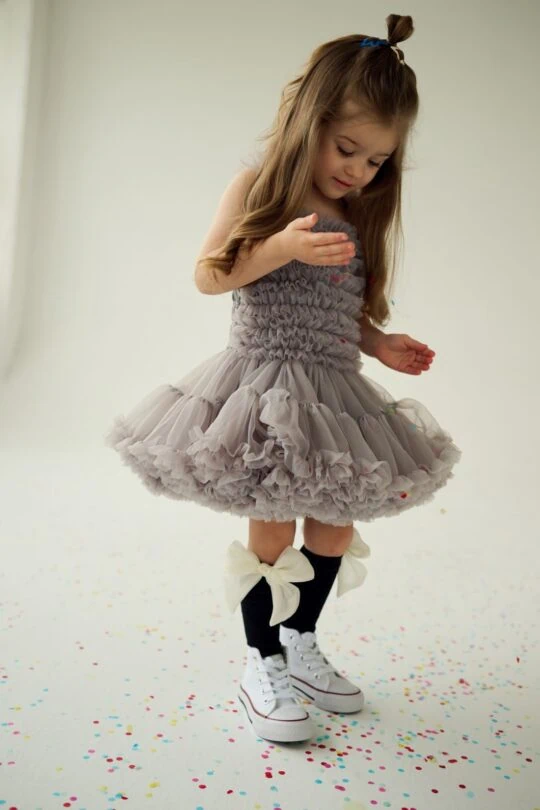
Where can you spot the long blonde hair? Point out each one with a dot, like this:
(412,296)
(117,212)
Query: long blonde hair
(337,71)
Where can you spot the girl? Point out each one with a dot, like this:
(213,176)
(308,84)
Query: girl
(282,424)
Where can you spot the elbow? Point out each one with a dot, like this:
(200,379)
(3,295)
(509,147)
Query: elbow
(201,290)
(208,286)
(213,291)
(208,283)
(199,280)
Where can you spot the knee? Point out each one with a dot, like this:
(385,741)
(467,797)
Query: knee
(267,539)
(325,539)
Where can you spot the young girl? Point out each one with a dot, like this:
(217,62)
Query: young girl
(282,424)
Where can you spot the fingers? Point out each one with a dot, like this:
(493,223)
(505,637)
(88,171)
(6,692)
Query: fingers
(334,248)
(329,237)
(337,255)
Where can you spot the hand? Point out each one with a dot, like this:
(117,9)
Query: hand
(403,353)
(321,248)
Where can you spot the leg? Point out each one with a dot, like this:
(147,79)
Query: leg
(311,673)
(324,546)
(267,539)
(325,539)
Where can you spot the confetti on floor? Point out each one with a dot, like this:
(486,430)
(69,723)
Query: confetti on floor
(120,662)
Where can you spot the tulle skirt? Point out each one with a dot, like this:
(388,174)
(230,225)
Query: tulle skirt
(280,439)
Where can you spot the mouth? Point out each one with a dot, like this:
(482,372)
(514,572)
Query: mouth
(341,183)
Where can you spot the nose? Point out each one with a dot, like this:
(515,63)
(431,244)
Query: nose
(354,180)
(358,180)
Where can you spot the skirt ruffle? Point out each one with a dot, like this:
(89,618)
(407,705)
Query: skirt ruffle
(282,440)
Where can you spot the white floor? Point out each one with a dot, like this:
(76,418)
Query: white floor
(119,661)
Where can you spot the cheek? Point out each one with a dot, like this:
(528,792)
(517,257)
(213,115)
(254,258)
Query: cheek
(329,158)
(333,163)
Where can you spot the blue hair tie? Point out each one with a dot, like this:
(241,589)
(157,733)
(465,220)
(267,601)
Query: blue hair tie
(367,41)
(372,41)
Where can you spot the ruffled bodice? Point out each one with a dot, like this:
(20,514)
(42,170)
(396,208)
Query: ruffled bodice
(303,311)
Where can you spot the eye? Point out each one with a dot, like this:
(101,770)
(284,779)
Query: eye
(348,154)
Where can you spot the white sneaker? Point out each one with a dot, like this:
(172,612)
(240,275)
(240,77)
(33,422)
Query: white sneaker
(271,704)
(313,676)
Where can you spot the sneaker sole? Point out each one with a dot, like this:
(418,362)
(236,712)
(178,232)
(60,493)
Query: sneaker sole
(347,704)
(277,730)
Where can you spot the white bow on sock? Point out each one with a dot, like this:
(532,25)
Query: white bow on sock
(244,570)
(352,572)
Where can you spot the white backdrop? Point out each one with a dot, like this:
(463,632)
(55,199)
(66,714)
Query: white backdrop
(146,110)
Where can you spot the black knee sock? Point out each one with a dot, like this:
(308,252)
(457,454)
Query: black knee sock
(256,611)
(313,594)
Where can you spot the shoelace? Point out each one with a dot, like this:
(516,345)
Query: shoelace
(313,655)
(278,679)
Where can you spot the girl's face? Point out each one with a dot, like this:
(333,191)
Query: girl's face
(352,152)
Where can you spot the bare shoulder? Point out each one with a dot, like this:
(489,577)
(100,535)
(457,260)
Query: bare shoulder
(229,210)
(249,173)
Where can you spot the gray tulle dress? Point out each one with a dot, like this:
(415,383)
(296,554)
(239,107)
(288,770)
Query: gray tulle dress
(281,423)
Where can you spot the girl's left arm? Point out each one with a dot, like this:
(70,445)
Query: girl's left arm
(398,351)
(370,336)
